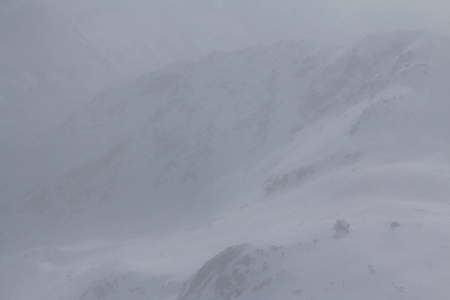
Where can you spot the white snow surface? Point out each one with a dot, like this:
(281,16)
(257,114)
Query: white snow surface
(232,177)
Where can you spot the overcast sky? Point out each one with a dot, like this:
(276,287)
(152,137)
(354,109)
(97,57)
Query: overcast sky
(269,19)
(343,18)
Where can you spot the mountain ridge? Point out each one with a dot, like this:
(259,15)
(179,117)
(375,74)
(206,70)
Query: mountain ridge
(250,164)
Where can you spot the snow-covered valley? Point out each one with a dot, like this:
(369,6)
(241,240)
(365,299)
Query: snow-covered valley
(298,170)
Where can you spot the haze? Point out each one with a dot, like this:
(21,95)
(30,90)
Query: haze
(217,150)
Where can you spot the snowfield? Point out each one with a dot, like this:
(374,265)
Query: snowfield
(299,170)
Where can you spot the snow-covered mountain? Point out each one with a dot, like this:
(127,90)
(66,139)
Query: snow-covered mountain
(290,171)
(55,55)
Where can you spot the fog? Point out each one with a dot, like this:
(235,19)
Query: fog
(73,49)
(213,149)
(253,21)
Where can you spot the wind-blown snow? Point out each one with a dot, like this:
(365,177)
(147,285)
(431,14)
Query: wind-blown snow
(236,176)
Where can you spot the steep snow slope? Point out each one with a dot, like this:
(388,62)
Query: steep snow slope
(232,172)
(160,140)
(55,55)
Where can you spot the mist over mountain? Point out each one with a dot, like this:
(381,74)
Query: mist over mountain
(56,54)
(156,150)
